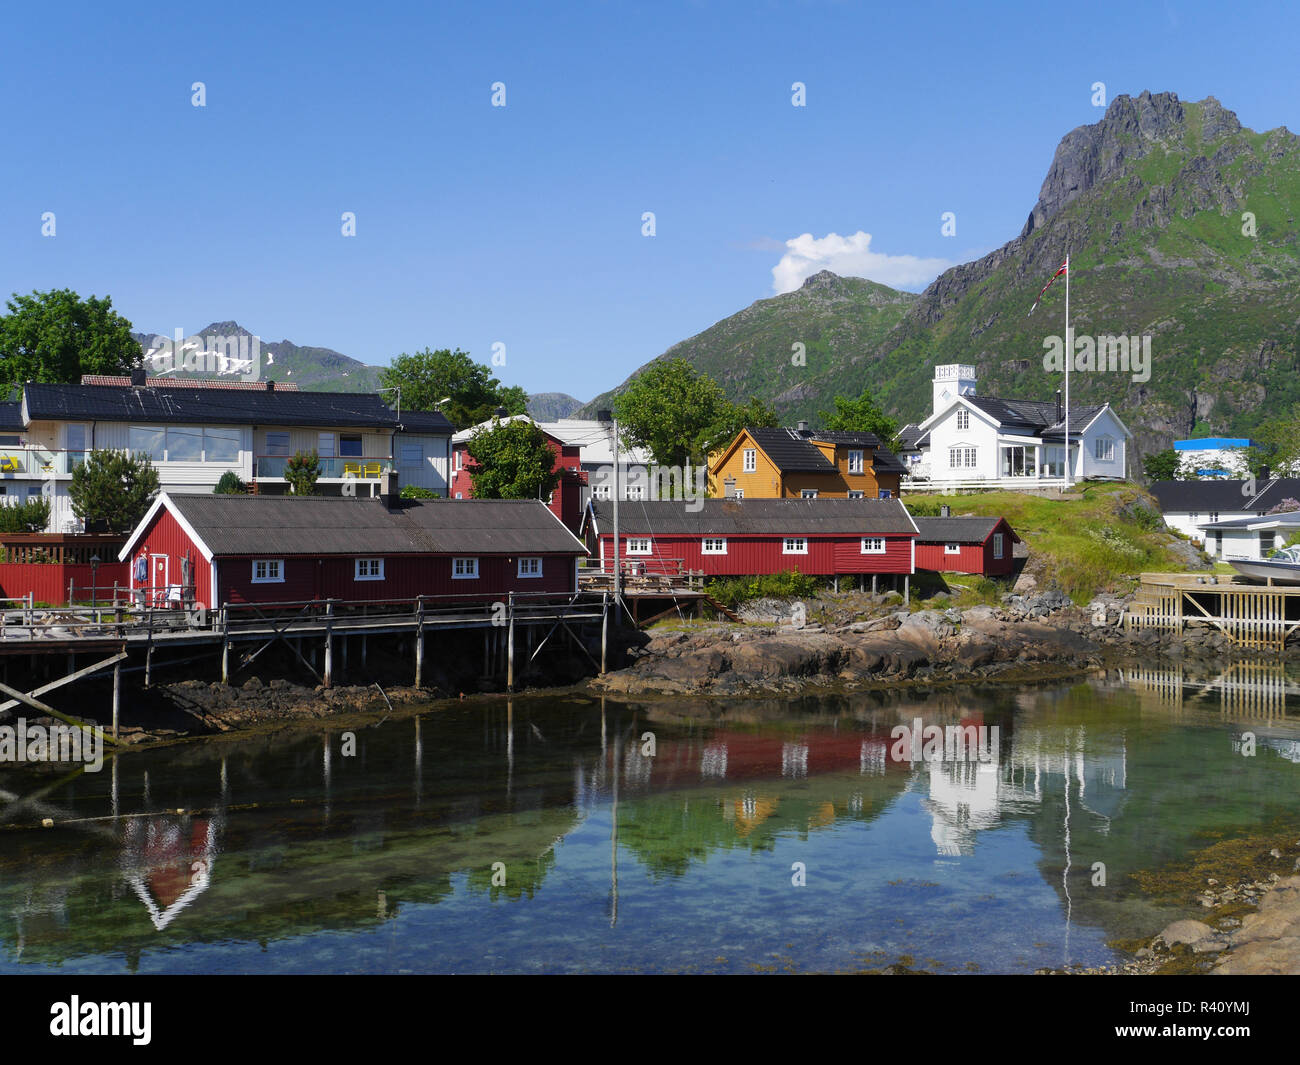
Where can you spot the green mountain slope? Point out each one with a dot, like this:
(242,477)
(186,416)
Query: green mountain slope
(839,320)
(551,406)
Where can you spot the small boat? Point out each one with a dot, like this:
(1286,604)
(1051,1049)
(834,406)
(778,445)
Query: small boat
(1283,565)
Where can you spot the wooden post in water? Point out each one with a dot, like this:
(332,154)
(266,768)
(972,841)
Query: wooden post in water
(117,695)
(510,645)
(148,651)
(604,629)
(907,589)
(329,643)
(419,640)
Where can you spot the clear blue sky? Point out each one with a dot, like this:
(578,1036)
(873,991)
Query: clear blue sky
(523,224)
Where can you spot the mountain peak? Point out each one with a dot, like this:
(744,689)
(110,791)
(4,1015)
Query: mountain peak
(823,279)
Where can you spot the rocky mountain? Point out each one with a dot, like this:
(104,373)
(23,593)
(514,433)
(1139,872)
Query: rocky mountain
(551,406)
(1181,226)
(839,321)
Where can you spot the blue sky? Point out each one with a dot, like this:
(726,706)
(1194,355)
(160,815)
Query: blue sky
(523,225)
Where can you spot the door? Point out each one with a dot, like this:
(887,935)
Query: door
(158,579)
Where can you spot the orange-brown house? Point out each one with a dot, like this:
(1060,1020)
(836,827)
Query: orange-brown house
(804,463)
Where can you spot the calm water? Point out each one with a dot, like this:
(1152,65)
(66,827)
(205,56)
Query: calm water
(292,857)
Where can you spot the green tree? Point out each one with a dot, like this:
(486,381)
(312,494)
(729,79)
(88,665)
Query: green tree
(1161,465)
(31,515)
(113,488)
(414,491)
(472,393)
(301,471)
(57,336)
(230,485)
(733,417)
(862,415)
(512,460)
(672,411)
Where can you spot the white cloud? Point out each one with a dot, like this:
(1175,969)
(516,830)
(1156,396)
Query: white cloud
(852,256)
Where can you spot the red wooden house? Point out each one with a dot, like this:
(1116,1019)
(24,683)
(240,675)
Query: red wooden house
(565,502)
(734,537)
(965,545)
(218,549)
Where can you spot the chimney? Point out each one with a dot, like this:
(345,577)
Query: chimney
(501,412)
(803,428)
(389,490)
(138,377)
(270,385)
(945,511)
(1060,410)
(1265,473)
(729,487)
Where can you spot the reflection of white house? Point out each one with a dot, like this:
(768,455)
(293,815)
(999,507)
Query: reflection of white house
(978,441)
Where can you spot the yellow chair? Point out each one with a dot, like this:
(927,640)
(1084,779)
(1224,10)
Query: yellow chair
(374,469)
(351,469)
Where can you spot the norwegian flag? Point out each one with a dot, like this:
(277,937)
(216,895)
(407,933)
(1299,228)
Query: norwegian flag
(1064,267)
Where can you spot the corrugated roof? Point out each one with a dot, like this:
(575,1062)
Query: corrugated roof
(1273,491)
(757,517)
(1038,416)
(963,530)
(337,525)
(791,452)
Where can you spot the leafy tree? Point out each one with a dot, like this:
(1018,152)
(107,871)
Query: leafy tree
(512,460)
(733,417)
(113,488)
(57,336)
(414,491)
(473,394)
(301,472)
(671,410)
(230,485)
(862,415)
(31,515)
(1161,465)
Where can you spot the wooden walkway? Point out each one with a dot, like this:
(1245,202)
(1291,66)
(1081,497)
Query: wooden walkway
(1251,615)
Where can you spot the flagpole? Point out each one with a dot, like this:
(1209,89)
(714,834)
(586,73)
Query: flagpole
(1069,358)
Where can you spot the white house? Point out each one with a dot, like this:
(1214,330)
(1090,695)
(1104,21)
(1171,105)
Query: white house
(1250,538)
(1230,518)
(973,441)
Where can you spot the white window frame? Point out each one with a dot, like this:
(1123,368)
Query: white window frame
(800,545)
(963,418)
(634,492)
(602,491)
(856,462)
(1104,449)
(749,463)
(962,456)
(857,495)
(273,571)
(808,493)
(529,567)
(739,494)
(368,569)
(713,545)
(873,545)
(638,545)
(952,549)
(281,445)
(998,545)
(468,569)
(327,446)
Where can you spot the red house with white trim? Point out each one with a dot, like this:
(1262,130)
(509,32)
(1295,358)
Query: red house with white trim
(218,549)
(965,545)
(735,537)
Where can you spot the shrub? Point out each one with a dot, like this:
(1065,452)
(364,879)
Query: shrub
(32,515)
(414,491)
(732,591)
(301,472)
(230,485)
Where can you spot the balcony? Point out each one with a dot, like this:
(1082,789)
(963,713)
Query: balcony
(331,469)
(39,461)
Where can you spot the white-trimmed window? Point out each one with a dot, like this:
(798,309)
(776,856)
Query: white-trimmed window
(1214,515)
(961,456)
(997,545)
(714,545)
(638,545)
(277,443)
(369,569)
(808,493)
(464,569)
(952,549)
(740,494)
(268,571)
(857,495)
(855,462)
(873,545)
(602,491)
(963,418)
(460,455)
(325,445)
(794,545)
(530,567)
(635,491)
(1105,449)
(751,460)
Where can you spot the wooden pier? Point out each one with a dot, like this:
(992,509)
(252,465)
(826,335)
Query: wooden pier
(1255,616)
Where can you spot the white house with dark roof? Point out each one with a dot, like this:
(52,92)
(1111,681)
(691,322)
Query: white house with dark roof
(1231,517)
(973,441)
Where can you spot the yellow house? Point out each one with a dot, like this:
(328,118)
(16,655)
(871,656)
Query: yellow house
(804,463)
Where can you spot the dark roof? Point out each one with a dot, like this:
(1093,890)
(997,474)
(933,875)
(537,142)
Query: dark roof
(1195,496)
(1288,519)
(910,437)
(337,525)
(11,417)
(966,530)
(1272,492)
(1035,415)
(209,406)
(887,462)
(756,517)
(791,452)
(843,439)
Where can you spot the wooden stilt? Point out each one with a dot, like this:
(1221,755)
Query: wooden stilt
(329,644)
(510,645)
(419,642)
(117,695)
(604,630)
(225,660)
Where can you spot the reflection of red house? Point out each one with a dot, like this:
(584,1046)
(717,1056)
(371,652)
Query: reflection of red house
(565,502)
(965,545)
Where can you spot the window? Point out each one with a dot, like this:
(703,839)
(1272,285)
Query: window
(740,494)
(794,545)
(1194,516)
(464,568)
(855,462)
(530,567)
(184,444)
(412,454)
(885,493)
(147,441)
(952,549)
(370,569)
(857,495)
(1214,515)
(459,453)
(873,545)
(350,446)
(635,491)
(276,443)
(997,545)
(34,491)
(1105,450)
(715,545)
(961,456)
(221,445)
(459,495)
(751,460)
(268,571)
(11,441)
(963,419)
(638,545)
(1017,461)
(601,491)
(808,493)
(325,445)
